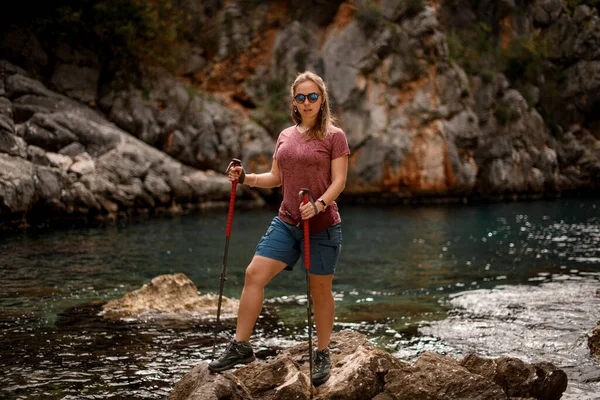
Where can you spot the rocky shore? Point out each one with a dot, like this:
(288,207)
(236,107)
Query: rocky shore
(488,362)
(423,124)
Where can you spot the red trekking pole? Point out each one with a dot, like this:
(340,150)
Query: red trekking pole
(234,163)
(305,199)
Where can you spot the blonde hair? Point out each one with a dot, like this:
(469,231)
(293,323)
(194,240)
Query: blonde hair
(324,119)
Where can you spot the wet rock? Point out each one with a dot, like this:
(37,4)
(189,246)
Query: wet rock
(594,341)
(437,377)
(519,379)
(513,321)
(168,296)
(360,371)
(201,384)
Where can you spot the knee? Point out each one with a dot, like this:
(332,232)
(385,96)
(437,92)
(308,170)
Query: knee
(321,293)
(253,276)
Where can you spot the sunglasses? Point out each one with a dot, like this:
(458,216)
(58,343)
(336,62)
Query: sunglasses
(312,97)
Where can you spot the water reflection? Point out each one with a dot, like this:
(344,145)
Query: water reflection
(397,263)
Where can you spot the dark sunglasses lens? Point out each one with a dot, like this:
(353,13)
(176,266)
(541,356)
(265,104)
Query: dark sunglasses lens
(300,98)
(312,97)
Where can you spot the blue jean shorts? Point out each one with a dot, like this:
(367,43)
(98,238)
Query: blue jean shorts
(285,242)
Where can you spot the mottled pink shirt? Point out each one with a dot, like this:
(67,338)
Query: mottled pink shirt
(307,164)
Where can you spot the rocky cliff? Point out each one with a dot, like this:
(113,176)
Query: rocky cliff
(440,100)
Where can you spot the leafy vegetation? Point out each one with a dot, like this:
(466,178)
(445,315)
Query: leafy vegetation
(369,17)
(475,50)
(122,32)
(414,7)
(571,5)
(273,95)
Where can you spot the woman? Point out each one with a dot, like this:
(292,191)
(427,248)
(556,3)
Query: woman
(311,154)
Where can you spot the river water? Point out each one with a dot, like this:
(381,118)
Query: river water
(400,274)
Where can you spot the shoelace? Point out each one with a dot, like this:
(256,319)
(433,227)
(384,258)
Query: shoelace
(232,346)
(319,358)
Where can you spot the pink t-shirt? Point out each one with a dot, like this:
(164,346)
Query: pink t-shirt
(307,164)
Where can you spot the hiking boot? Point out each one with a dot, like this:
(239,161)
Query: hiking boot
(321,367)
(236,353)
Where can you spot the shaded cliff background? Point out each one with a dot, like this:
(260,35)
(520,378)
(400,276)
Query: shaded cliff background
(115,108)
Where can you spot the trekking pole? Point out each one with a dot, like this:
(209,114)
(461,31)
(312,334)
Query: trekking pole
(305,199)
(234,163)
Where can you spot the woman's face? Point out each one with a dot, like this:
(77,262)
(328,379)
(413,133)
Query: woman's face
(308,110)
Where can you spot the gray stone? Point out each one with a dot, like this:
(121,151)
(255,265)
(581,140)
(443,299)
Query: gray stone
(72,150)
(79,82)
(342,52)
(59,161)
(17,184)
(13,145)
(547,11)
(83,167)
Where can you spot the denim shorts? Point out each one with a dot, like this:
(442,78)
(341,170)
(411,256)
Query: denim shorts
(285,242)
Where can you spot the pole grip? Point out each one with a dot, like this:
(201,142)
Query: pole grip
(234,163)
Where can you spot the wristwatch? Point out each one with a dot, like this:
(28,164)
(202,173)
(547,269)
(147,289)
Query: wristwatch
(322,202)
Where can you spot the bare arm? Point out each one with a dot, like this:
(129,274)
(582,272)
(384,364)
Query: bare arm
(339,171)
(269,179)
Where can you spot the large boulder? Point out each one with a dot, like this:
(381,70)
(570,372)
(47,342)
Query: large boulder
(361,371)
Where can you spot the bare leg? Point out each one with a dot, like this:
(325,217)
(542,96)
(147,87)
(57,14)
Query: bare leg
(323,307)
(260,272)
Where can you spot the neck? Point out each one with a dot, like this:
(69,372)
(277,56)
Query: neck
(307,124)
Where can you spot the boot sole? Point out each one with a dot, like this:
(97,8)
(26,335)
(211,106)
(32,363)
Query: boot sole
(233,364)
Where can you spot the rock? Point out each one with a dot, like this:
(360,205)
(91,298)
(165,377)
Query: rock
(83,167)
(344,49)
(546,11)
(76,73)
(79,82)
(519,379)
(17,183)
(201,384)
(593,339)
(437,377)
(80,199)
(168,296)
(6,116)
(59,161)
(13,145)
(72,150)
(33,57)
(418,126)
(360,371)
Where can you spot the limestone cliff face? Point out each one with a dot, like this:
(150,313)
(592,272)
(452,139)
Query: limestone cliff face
(426,111)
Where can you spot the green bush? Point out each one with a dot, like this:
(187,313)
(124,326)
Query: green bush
(369,17)
(503,114)
(475,50)
(571,5)
(414,7)
(524,57)
(121,32)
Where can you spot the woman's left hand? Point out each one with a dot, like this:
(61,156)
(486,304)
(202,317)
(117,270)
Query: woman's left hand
(308,210)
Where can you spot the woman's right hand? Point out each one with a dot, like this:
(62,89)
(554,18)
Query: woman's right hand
(236,173)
